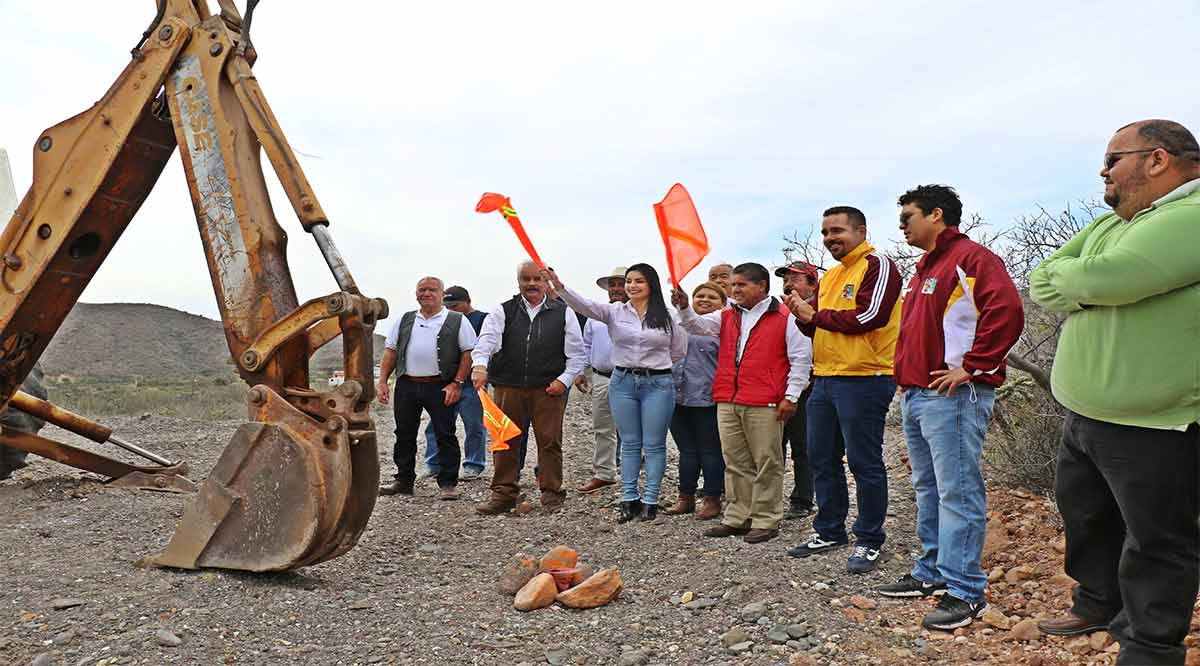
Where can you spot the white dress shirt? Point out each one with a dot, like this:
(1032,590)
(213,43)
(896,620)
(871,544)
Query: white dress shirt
(420,357)
(799,346)
(633,345)
(491,338)
(597,346)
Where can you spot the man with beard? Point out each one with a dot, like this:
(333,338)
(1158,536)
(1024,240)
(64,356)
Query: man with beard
(1126,369)
(598,348)
(854,332)
(531,349)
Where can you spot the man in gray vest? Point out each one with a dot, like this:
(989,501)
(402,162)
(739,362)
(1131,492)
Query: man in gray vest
(531,349)
(430,350)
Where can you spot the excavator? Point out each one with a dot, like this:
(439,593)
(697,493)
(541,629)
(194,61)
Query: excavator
(297,483)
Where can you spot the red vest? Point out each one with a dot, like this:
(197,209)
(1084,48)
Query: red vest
(760,380)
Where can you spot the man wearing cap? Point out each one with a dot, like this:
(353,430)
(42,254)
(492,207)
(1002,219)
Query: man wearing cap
(598,348)
(799,278)
(430,350)
(468,407)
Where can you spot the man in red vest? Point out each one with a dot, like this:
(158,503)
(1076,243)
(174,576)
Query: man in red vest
(762,369)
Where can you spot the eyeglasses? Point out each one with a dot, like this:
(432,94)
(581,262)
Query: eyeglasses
(1111,159)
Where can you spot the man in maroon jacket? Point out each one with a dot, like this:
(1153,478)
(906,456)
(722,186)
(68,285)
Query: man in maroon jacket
(960,317)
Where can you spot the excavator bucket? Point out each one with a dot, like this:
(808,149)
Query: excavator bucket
(287,491)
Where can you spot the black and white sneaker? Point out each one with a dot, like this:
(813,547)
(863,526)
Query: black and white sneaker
(952,613)
(862,560)
(814,545)
(910,586)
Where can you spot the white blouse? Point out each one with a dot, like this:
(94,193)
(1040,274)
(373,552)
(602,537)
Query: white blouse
(633,344)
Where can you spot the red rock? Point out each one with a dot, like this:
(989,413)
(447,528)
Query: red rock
(1025,630)
(862,603)
(599,589)
(582,573)
(538,593)
(854,615)
(516,574)
(559,557)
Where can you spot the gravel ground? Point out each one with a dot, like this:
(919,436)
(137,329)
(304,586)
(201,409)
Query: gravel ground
(418,589)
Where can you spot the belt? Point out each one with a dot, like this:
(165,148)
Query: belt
(431,379)
(602,374)
(643,371)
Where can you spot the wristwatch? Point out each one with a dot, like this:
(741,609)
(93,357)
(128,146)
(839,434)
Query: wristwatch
(792,399)
(460,382)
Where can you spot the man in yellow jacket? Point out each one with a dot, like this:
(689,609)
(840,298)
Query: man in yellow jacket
(854,329)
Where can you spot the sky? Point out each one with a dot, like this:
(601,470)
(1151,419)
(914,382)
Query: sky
(404,113)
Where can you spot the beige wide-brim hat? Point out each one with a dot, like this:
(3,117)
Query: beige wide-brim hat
(618,272)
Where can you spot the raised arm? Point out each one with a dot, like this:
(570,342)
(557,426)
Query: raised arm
(877,294)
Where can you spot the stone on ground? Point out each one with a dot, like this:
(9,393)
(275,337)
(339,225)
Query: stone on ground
(599,589)
(516,574)
(538,593)
(559,557)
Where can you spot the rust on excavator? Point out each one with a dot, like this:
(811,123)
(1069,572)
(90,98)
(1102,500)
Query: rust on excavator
(297,483)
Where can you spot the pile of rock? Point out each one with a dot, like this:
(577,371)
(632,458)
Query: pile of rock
(557,576)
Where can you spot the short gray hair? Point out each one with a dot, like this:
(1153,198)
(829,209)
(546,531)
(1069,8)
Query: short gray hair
(441,285)
(521,266)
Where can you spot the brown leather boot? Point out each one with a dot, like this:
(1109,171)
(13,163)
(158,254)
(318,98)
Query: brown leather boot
(685,504)
(710,507)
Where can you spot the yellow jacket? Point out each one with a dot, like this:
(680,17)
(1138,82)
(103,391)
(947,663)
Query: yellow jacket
(858,316)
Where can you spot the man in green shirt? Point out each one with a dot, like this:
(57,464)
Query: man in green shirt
(1127,369)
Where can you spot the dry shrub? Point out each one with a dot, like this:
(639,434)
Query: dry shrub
(1022,442)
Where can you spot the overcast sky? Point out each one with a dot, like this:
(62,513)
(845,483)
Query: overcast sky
(585,114)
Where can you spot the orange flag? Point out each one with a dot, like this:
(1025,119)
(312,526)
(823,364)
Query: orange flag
(499,426)
(491,202)
(682,234)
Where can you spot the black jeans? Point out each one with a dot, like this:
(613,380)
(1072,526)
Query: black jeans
(694,430)
(408,399)
(795,433)
(1130,502)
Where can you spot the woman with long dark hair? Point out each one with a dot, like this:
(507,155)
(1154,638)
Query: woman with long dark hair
(646,343)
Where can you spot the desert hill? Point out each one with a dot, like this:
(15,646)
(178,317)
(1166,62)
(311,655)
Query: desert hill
(120,340)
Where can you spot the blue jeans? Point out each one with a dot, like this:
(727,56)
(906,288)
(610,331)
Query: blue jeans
(945,445)
(470,410)
(845,418)
(642,406)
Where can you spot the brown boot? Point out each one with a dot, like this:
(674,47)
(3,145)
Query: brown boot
(685,504)
(495,506)
(710,507)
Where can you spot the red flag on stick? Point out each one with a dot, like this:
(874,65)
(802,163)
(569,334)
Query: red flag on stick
(682,234)
(491,202)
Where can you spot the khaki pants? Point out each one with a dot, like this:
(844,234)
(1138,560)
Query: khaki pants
(527,406)
(604,459)
(753,465)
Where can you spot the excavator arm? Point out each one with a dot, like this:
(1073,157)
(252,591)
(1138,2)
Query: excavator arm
(297,483)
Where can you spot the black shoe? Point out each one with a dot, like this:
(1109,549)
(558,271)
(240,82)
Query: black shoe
(629,511)
(862,559)
(910,586)
(649,512)
(796,512)
(814,545)
(952,613)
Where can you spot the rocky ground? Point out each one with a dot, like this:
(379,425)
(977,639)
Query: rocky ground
(419,588)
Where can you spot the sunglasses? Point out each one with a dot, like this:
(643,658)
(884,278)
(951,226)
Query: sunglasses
(1111,159)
